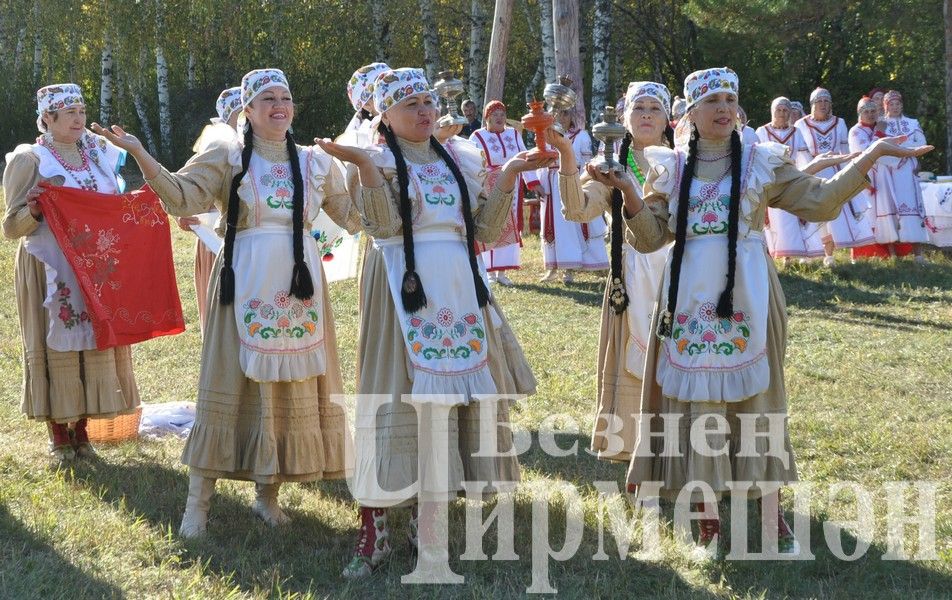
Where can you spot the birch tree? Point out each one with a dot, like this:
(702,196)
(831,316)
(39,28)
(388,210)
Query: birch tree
(105,83)
(162,83)
(381,31)
(601,52)
(431,40)
(548,40)
(477,52)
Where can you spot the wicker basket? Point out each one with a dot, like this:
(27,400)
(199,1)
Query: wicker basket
(117,429)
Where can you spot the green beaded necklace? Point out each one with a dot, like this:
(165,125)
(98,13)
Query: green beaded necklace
(635,169)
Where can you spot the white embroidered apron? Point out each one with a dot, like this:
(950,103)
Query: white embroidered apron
(282,337)
(70,327)
(708,358)
(446,339)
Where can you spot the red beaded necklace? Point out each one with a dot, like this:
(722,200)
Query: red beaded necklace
(87,184)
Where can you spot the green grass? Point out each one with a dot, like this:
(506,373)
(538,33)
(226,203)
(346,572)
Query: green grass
(870,394)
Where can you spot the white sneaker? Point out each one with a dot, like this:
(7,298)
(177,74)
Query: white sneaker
(549,275)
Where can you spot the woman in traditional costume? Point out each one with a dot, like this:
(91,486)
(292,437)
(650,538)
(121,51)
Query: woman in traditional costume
(66,380)
(823,132)
(786,234)
(720,318)
(634,277)
(568,246)
(269,363)
(428,327)
(499,143)
(900,213)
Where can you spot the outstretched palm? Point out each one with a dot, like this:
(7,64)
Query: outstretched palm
(891,147)
(118,136)
(342,152)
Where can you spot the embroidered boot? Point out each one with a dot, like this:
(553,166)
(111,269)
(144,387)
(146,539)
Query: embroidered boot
(81,440)
(61,448)
(709,527)
(266,505)
(373,544)
(195,519)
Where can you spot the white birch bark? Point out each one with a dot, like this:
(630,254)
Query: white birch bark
(105,84)
(162,83)
(601,51)
(431,40)
(381,31)
(548,40)
(476,72)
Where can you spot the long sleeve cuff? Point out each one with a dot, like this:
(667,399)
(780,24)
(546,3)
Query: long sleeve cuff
(493,215)
(20,223)
(380,216)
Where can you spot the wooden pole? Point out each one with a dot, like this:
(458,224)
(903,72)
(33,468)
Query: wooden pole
(567,61)
(498,44)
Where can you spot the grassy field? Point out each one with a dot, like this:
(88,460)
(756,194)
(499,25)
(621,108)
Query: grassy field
(869,377)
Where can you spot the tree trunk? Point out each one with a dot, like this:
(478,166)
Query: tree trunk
(498,44)
(381,29)
(548,40)
(477,52)
(601,51)
(105,85)
(534,88)
(18,53)
(567,63)
(190,72)
(948,86)
(431,41)
(37,44)
(162,84)
(144,125)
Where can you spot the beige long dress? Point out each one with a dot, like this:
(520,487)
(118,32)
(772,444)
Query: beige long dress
(57,386)
(267,432)
(781,186)
(621,347)
(384,367)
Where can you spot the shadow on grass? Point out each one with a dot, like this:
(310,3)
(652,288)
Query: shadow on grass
(589,293)
(32,568)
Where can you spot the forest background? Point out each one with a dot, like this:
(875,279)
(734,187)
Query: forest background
(156,66)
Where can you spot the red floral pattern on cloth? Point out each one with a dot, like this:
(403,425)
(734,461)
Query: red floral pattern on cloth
(706,333)
(286,316)
(448,337)
(120,249)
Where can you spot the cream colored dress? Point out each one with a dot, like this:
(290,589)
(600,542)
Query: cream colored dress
(57,386)
(264,431)
(623,339)
(384,366)
(778,184)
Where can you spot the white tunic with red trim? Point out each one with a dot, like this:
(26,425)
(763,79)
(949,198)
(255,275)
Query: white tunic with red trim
(900,214)
(851,228)
(787,234)
(497,149)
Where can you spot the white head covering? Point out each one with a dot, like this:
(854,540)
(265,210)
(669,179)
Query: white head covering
(396,85)
(360,88)
(699,85)
(58,96)
(818,94)
(797,105)
(679,107)
(866,103)
(703,83)
(259,80)
(648,89)
(780,101)
(891,95)
(228,102)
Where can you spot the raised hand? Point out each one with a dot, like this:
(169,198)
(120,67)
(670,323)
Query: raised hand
(118,136)
(611,179)
(521,162)
(446,132)
(827,159)
(891,146)
(350,154)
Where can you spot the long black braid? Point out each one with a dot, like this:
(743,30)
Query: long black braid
(411,291)
(617,294)
(226,291)
(482,293)
(363,115)
(302,286)
(680,235)
(725,305)
(669,135)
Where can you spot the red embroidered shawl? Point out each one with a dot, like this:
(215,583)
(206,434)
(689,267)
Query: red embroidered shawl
(120,249)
